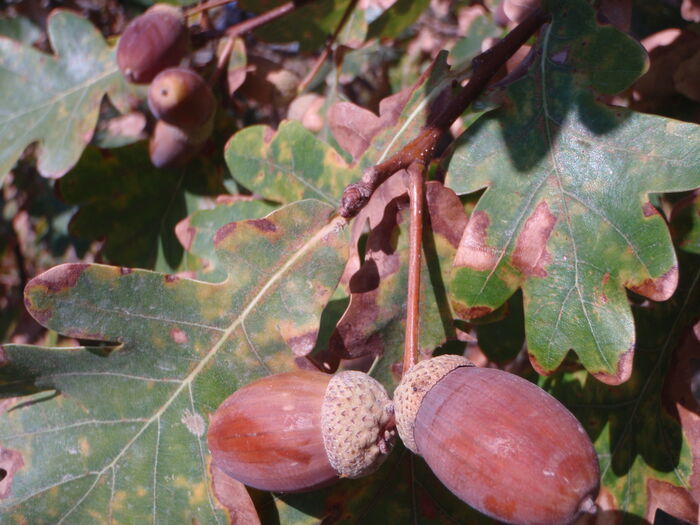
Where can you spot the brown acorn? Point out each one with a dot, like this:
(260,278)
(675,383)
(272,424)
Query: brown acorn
(498,442)
(181,97)
(170,146)
(151,42)
(302,430)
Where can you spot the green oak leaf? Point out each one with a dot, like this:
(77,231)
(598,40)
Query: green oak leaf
(566,213)
(196,232)
(647,447)
(134,206)
(55,99)
(288,164)
(309,25)
(399,17)
(119,435)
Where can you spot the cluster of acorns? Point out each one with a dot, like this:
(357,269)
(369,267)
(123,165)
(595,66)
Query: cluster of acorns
(150,51)
(497,441)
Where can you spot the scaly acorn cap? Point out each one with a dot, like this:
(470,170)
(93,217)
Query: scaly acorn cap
(357,422)
(415,383)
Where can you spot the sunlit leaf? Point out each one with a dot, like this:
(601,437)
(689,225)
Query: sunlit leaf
(566,213)
(121,435)
(55,99)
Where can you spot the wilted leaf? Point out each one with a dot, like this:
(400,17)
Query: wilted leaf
(120,435)
(288,165)
(133,205)
(566,213)
(55,100)
(375,322)
(372,139)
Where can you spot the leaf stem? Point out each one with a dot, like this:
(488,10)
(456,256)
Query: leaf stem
(416,195)
(327,49)
(422,148)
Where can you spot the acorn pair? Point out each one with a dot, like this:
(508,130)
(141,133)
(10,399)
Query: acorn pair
(149,52)
(485,433)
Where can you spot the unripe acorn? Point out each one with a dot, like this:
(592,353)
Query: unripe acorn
(181,97)
(302,430)
(498,442)
(151,42)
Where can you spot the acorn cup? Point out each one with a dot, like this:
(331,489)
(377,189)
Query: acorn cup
(498,442)
(302,430)
(151,42)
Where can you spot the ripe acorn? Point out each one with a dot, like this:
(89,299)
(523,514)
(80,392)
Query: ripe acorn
(498,442)
(170,146)
(302,430)
(181,97)
(151,42)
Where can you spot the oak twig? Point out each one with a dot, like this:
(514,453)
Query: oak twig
(416,195)
(249,25)
(327,48)
(205,6)
(422,148)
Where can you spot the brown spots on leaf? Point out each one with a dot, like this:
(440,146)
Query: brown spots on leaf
(530,254)
(194,422)
(500,506)
(470,312)
(59,277)
(660,288)
(649,210)
(171,278)
(674,500)
(623,371)
(264,225)
(124,270)
(447,215)
(185,233)
(473,252)
(178,336)
(537,366)
(224,232)
(606,278)
(10,462)
(55,280)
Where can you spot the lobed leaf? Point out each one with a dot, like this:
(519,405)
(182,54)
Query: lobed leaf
(288,164)
(55,100)
(120,434)
(566,214)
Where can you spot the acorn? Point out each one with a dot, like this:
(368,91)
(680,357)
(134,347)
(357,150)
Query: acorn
(181,97)
(302,430)
(170,146)
(151,42)
(498,442)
